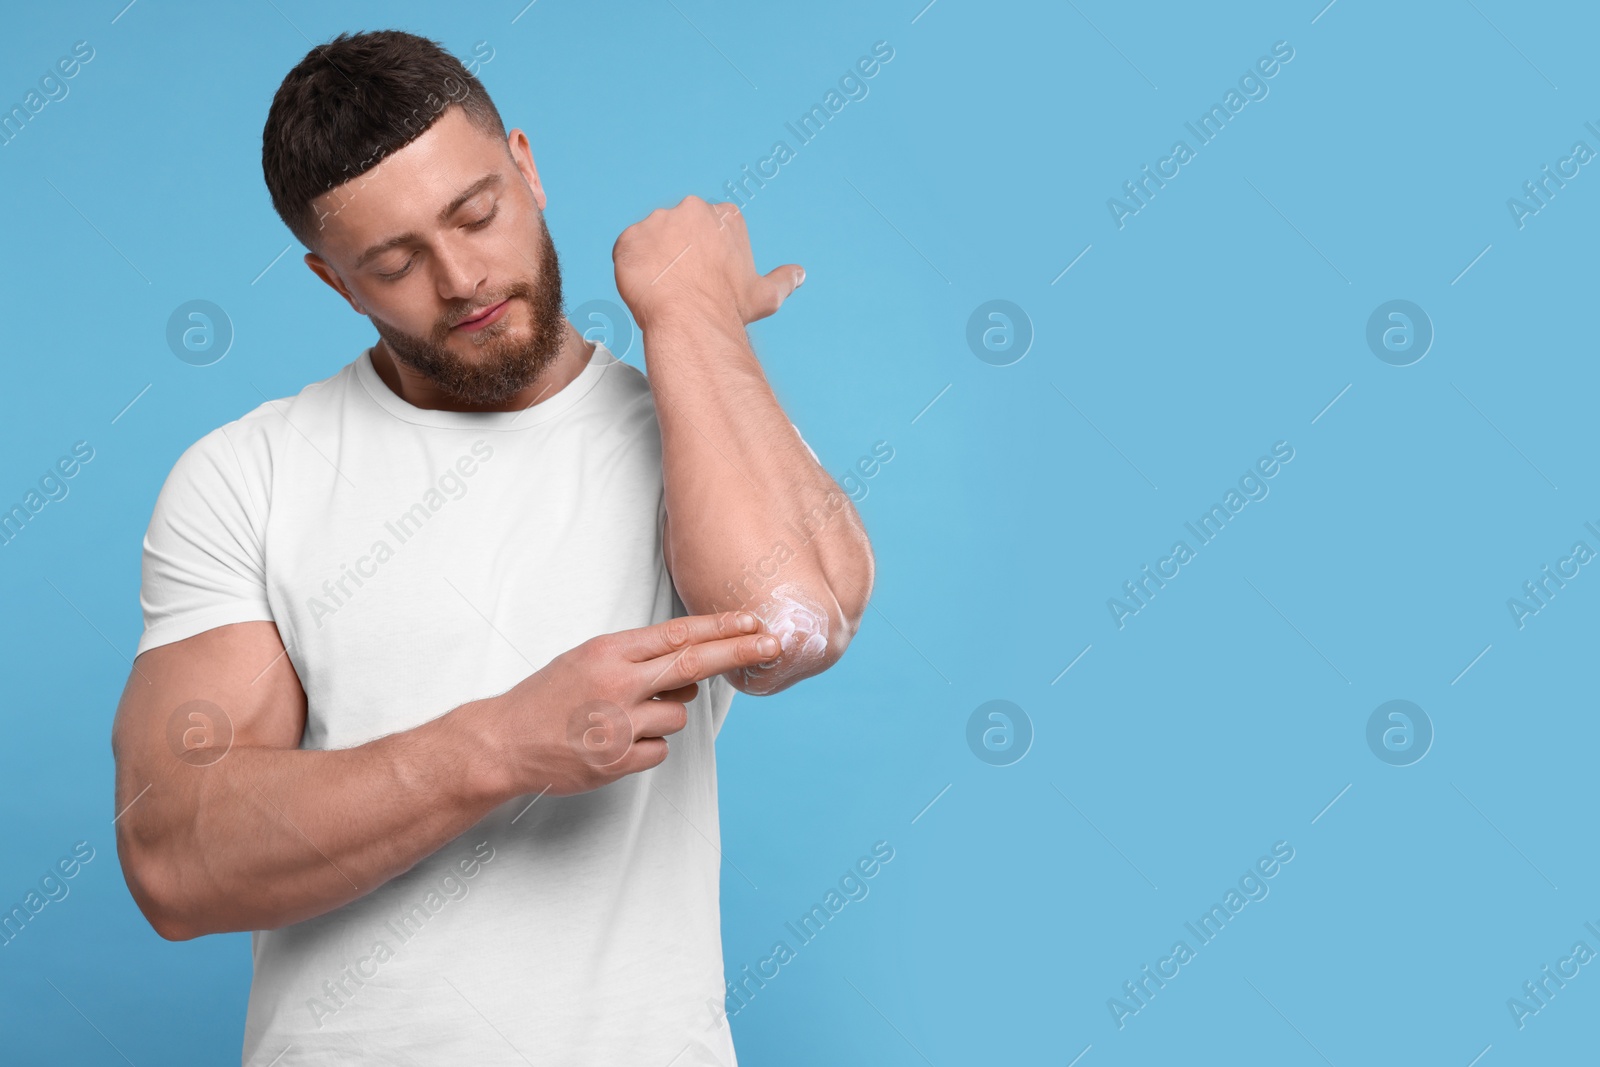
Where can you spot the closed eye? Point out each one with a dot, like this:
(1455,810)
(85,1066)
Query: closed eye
(392,275)
(476,224)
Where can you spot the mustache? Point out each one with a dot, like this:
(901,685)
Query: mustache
(520,290)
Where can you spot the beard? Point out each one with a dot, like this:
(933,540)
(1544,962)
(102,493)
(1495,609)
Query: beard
(504,365)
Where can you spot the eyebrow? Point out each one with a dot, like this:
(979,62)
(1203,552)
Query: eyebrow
(488,181)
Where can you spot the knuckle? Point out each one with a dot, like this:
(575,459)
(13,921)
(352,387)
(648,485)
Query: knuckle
(689,663)
(677,633)
(592,651)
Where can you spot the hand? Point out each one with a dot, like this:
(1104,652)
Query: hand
(695,259)
(604,709)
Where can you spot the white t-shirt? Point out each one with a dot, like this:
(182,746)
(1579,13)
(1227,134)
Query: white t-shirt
(414,560)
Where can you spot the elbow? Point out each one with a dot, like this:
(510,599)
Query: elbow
(813,628)
(814,619)
(154,891)
(763,680)
(856,590)
(848,573)
(163,914)
(164,917)
(170,929)
(173,922)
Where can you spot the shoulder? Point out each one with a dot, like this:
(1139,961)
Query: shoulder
(240,454)
(259,432)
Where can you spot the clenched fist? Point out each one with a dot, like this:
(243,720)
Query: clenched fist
(694,259)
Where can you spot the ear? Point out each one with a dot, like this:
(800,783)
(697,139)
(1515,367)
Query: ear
(320,268)
(522,156)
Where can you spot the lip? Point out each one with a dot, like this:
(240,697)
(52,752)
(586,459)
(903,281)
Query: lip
(486,317)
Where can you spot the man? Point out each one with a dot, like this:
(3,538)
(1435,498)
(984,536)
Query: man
(416,638)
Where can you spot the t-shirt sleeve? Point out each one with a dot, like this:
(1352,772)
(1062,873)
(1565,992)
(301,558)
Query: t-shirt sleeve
(203,564)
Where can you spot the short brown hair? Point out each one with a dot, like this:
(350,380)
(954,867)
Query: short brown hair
(351,102)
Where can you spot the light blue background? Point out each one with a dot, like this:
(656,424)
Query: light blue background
(1223,317)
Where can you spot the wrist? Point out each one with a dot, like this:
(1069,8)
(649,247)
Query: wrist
(692,316)
(483,775)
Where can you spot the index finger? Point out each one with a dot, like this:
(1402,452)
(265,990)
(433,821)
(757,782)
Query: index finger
(702,661)
(674,635)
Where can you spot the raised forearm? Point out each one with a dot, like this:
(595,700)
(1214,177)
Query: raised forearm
(269,836)
(754,521)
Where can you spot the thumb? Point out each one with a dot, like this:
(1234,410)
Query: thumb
(781,282)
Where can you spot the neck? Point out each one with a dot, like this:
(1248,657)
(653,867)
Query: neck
(419,391)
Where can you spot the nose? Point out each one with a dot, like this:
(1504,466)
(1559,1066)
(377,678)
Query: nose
(459,275)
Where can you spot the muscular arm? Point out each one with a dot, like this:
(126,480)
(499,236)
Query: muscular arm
(225,823)
(753,521)
(234,827)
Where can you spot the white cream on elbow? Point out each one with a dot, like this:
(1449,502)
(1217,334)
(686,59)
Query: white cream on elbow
(801,627)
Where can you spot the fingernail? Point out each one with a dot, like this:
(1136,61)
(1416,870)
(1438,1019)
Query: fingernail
(800,277)
(767,646)
(747,621)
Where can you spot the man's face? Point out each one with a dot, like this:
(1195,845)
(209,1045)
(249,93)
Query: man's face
(442,231)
